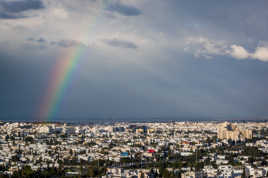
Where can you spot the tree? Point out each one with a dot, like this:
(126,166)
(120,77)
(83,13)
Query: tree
(71,152)
(244,173)
(27,171)
(7,137)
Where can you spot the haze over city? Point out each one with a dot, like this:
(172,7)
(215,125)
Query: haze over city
(65,60)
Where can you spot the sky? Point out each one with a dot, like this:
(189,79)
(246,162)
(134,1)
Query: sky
(135,59)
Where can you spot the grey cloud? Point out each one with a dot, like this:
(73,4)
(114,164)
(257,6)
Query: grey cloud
(121,43)
(66,43)
(13,9)
(22,5)
(60,43)
(223,16)
(228,87)
(159,80)
(39,40)
(4,15)
(123,9)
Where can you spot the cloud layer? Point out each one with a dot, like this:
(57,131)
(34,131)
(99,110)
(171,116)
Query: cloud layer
(137,58)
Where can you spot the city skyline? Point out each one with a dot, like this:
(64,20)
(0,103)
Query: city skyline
(128,150)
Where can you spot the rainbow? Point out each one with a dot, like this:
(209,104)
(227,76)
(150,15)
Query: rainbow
(58,82)
(60,78)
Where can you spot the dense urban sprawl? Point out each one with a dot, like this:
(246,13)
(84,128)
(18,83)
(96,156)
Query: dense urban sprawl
(175,149)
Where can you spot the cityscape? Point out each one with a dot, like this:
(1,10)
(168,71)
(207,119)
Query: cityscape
(157,149)
(133,89)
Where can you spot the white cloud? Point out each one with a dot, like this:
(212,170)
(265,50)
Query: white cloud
(204,47)
(261,53)
(239,52)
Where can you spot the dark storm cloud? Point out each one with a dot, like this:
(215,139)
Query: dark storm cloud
(123,9)
(121,43)
(21,80)
(192,88)
(13,9)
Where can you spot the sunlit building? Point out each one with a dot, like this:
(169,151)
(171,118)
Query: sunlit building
(233,132)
